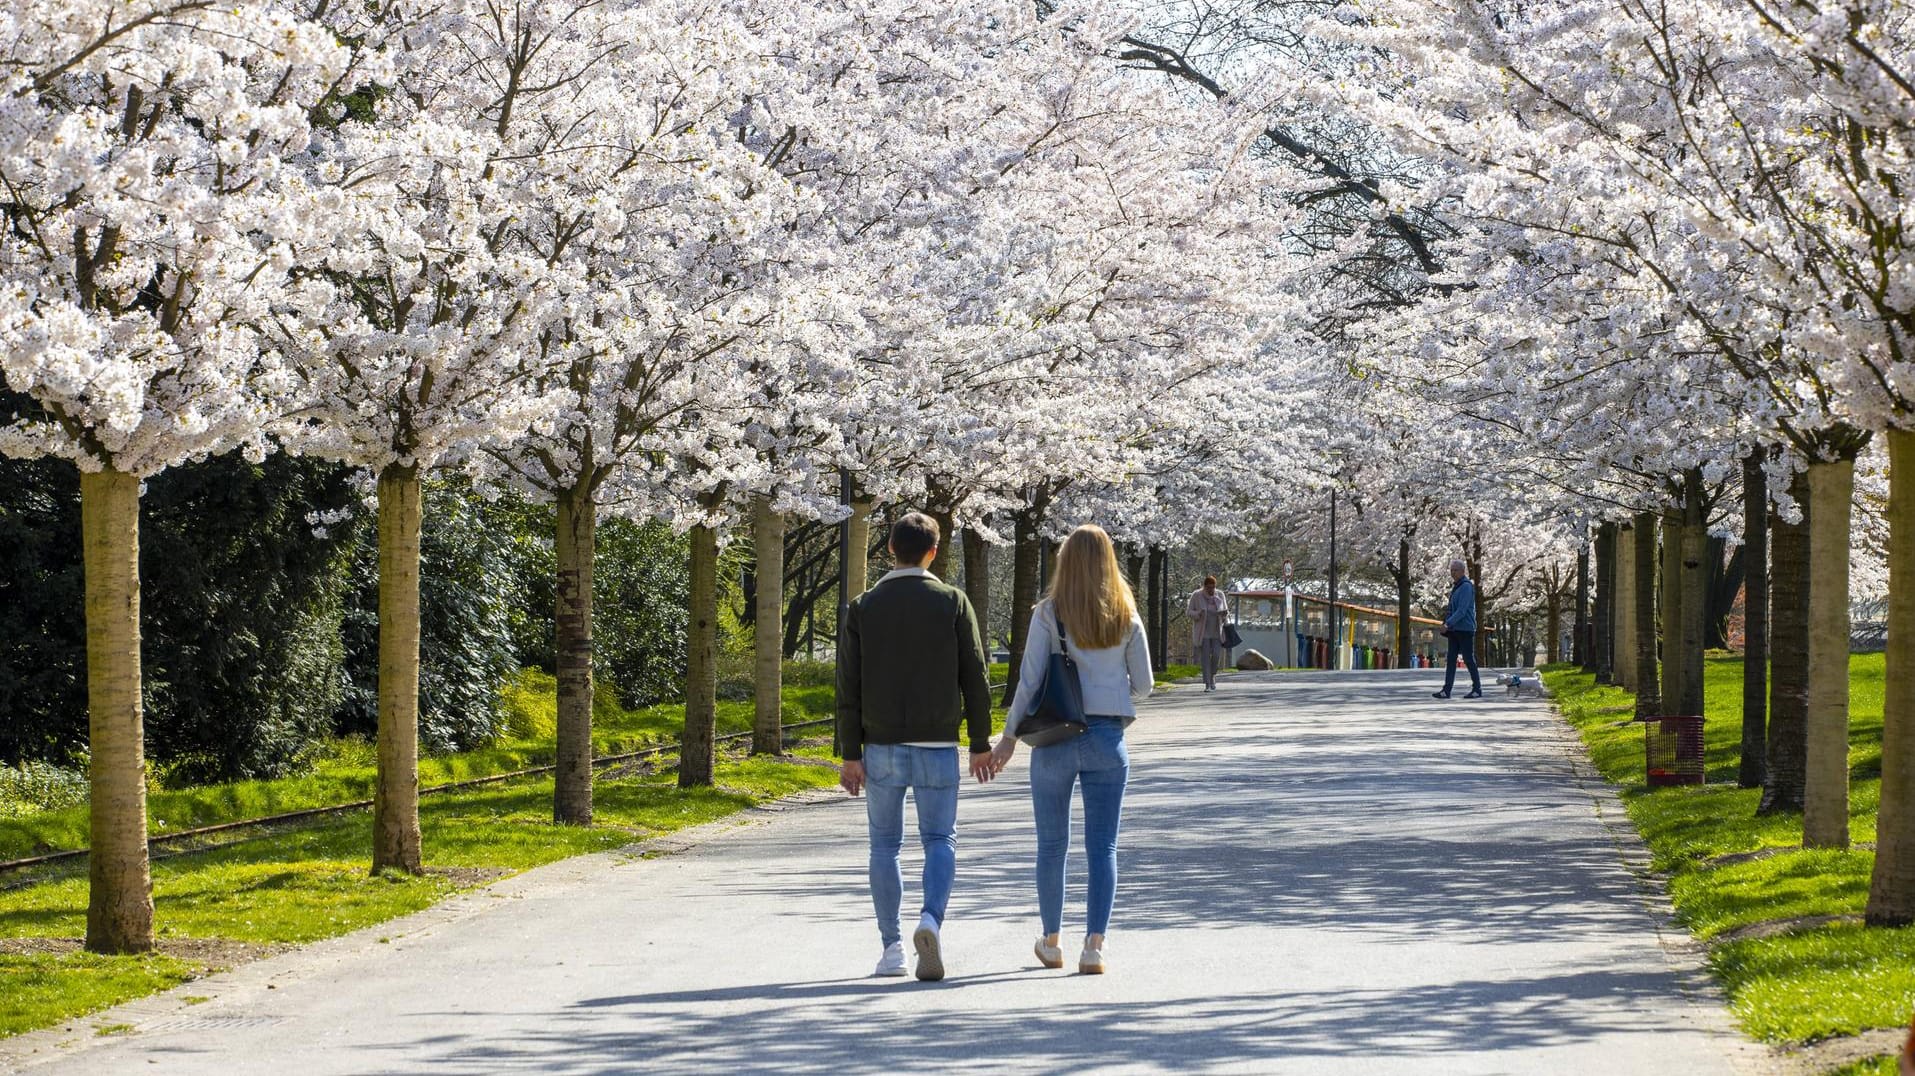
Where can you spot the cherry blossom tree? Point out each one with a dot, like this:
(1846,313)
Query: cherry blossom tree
(150,222)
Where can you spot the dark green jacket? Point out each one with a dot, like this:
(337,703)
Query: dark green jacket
(910,662)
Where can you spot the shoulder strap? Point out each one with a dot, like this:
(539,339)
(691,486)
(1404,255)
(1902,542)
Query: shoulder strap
(1059,621)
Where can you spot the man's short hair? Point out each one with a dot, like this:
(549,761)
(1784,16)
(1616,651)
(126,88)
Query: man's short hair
(913,536)
(1459,562)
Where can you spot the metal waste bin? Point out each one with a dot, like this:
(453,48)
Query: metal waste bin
(1672,749)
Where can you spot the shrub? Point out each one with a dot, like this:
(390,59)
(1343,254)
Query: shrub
(39,786)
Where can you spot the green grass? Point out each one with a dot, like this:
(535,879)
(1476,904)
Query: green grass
(345,770)
(313,881)
(1832,980)
(1880,1066)
(44,989)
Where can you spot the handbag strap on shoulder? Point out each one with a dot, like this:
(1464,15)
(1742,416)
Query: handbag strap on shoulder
(1058,619)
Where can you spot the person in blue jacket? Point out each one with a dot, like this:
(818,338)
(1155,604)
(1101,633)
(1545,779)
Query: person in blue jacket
(1459,626)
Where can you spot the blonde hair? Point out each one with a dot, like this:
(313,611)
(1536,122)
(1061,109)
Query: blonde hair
(1089,594)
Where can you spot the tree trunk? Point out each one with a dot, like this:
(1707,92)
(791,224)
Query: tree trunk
(575,548)
(1726,572)
(1134,566)
(1694,585)
(119,913)
(1625,607)
(1581,653)
(395,807)
(1046,564)
(1825,805)
(1790,587)
(858,578)
(1671,620)
(768,544)
(696,765)
(1553,623)
(977,581)
(1755,621)
(1024,556)
(941,564)
(1159,609)
(1891,893)
(1648,702)
(1403,596)
(1603,632)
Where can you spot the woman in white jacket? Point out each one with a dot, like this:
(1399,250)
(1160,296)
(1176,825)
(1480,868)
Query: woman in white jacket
(1104,635)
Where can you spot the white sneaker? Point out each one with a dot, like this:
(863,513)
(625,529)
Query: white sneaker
(930,953)
(892,962)
(1090,961)
(1051,956)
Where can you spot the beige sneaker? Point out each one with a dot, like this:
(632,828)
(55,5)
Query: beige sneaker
(1051,956)
(1090,961)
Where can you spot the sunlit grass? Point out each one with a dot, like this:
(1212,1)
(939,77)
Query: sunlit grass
(1832,980)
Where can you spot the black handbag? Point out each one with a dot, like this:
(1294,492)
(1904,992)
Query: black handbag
(1058,713)
(1231,640)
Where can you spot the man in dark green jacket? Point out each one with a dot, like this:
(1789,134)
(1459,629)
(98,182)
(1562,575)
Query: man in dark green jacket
(910,664)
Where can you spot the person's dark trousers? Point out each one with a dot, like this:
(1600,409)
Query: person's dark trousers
(1463,643)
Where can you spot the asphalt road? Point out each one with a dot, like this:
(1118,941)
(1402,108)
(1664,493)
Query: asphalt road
(1320,873)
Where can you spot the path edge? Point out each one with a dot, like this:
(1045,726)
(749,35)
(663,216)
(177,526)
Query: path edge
(78,1034)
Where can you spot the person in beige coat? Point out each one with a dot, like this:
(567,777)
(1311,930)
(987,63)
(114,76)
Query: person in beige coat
(1209,612)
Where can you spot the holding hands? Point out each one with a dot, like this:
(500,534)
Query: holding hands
(1001,754)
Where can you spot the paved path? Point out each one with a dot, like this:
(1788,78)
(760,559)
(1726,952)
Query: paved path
(1321,874)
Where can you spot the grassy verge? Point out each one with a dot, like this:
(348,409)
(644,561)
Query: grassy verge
(312,882)
(344,770)
(1810,984)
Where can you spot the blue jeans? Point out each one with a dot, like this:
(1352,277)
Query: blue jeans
(931,773)
(1461,643)
(1101,763)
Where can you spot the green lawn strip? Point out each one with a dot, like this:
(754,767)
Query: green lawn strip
(313,882)
(345,770)
(1830,980)
(44,989)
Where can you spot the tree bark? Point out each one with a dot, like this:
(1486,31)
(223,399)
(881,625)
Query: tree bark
(1024,557)
(1581,652)
(1825,805)
(1670,622)
(1891,892)
(696,765)
(767,643)
(1694,585)
(1159,609)
(859,577)
(1755,621)
(1403,596)
(119,913)
(1784,779)
(1604,619)
(575,548)
(1134,566)
(1625,607)
(977,581)
(941,563)
(395,807)
(1648,703)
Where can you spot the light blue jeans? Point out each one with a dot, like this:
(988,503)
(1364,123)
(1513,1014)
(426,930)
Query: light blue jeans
(1100,762)
(931,773)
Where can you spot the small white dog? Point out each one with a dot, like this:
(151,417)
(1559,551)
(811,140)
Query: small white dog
(1522,686)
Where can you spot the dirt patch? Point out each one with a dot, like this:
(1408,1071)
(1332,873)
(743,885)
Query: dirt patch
(467,877)
(1771,928)
(210,954)
(1826,1054)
